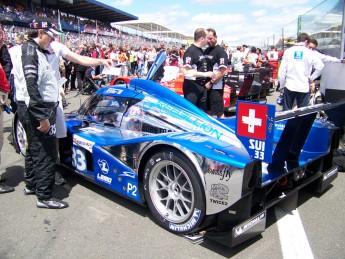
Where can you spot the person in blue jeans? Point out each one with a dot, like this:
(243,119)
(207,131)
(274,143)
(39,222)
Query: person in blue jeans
(295,73)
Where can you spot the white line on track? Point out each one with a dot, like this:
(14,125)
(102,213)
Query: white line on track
(293,239)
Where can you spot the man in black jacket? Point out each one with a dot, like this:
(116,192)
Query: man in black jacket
(80,69)
(37,96)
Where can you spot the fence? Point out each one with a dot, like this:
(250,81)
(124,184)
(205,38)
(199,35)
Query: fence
(324,23)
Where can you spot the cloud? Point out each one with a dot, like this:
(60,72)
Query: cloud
(122,3)
(278,4)
(209,19)
(254,26)
(171,17)
(260,12)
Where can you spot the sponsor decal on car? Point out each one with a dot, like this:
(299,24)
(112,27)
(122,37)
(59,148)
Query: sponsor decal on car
(152,129)
(84,143)
(114,91)
(219,191)
(330,173)
(104,178)
(280,126)
(193,138)
(188,225)
(254,127)
(128,174)
(249,224)
(103,165)
(199,124)
(224,173)
(135,110)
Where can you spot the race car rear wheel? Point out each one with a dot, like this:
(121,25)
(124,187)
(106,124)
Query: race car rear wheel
(20,140)
(173,192)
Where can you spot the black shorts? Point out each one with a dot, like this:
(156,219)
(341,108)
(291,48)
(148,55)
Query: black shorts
(215,101)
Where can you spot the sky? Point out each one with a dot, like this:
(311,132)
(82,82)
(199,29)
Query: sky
(236,22)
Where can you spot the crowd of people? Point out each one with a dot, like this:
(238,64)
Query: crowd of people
(77,30)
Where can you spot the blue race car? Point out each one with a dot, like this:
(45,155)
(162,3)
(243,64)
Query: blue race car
(198,175)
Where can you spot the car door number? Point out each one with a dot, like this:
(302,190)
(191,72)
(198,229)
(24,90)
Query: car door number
(132,189)
(78,159)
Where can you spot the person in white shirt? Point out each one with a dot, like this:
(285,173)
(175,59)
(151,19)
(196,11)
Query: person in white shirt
(312,44)
(114,56)
(252,57)
(237,59)
(151,57)
(295,73)
(58,50)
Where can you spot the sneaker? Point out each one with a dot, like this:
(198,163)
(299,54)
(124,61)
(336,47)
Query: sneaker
(59,180)
(5,188)
(51,203)
(29,190)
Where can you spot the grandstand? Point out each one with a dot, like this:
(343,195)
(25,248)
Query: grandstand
(76,17)
(152,31)
(84,21)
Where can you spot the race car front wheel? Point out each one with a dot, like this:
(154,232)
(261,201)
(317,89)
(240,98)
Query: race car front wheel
(173,192)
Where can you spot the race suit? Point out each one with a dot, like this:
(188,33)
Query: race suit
(37,96)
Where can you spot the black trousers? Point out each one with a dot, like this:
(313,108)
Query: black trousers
(40,159)
(68,72)
(73,77)
(80,79)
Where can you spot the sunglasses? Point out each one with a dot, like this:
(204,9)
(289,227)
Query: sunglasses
(49,33)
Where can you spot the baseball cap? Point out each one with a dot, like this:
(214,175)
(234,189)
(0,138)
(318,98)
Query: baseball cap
(50,28)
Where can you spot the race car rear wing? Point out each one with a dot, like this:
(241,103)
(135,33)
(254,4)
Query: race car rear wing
(285,115)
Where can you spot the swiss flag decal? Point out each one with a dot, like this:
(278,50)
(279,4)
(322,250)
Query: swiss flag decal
(252,120)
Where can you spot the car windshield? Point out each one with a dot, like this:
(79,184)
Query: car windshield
(106,109)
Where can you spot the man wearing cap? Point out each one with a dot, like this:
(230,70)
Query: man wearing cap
(37,96)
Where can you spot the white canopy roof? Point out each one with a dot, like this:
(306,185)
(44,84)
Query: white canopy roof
(152,28)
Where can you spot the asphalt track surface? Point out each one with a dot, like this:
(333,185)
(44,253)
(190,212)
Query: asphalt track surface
(101,224)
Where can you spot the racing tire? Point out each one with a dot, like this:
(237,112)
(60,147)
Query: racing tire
(173,192)
(19,136)
(120,82)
